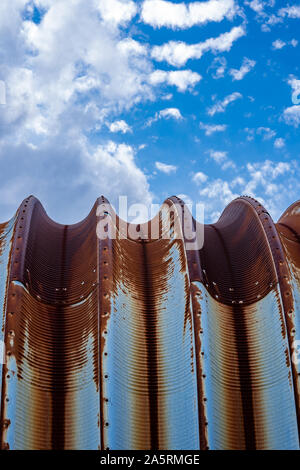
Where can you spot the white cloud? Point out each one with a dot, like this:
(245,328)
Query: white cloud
(182,79)
(73,172)
(2,93)
(279,143)
(271,21)
(228,164)
(119,126)
(200,177)
(279,44)
(221,106)
(112,167)
(177,53)
(160,13)
(221,158)
(168,113)
(212,128)
(130,46)
(256,5)
(219,192)
(94,65)
(291,115)
(261,180)
(217,156)
(65,78)
(295,85)
(263,173)
(165,168)
(117,11)
(263,10)
(218,67)
(266,132)
(247,65)
(292,11)
(238,181)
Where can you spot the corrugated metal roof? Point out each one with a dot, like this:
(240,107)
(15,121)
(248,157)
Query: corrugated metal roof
(144,344)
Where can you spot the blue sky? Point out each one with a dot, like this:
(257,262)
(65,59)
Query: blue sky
(149,99)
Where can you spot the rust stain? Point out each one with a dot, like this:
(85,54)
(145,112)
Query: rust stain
(288,228)
(142,343)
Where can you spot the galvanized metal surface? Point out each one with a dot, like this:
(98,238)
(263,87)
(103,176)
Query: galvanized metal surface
(144,344)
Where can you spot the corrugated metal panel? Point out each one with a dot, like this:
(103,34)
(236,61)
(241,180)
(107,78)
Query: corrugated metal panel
(144,344)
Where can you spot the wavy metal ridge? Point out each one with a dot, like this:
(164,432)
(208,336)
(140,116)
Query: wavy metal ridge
(125,344)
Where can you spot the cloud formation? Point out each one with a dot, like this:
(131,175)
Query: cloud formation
(291,11)
(177,53)
(159,13)
(220,106)
(119,126)
(291,115)
(279,44)
(200,177)
(212,128)
(239,74)
(164,168)
(64,79)
(182,79)
(168,113)
(267,181)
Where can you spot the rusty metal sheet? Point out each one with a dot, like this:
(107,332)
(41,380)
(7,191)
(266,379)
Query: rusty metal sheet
(123,343)
(289,230)
(6,235)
